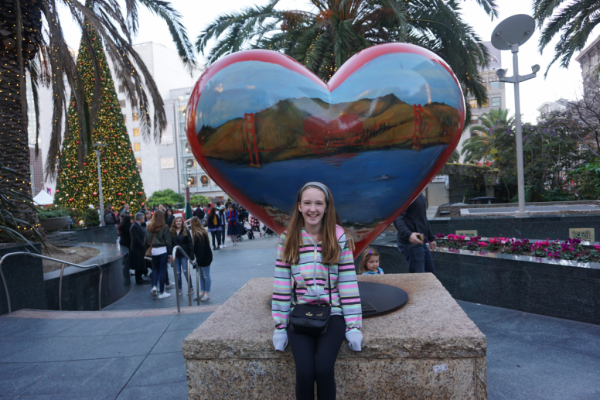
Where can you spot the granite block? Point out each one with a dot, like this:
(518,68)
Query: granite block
(226,359)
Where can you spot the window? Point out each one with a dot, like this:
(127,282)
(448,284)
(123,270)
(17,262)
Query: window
(122,103)
(121,89)
(474,119)
(124,118)
(192,181)
(187,148)
(204,180)
(136,131)
(494,85)
(136,117)
(167,163)
(136,147)
(496,102)
(138,162)
(473,103)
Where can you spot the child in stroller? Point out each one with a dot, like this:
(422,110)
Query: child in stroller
(245,231)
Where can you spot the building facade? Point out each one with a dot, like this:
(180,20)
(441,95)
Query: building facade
(589,61)
(496,92)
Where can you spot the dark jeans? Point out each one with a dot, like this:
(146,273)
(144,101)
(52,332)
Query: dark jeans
(216,239)
(223,235)
(418,257)
(159,270)
(315,359)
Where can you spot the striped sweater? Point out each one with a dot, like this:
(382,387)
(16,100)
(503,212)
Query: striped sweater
(311,283)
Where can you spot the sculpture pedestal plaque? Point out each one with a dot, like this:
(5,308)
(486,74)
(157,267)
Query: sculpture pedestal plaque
(427,349)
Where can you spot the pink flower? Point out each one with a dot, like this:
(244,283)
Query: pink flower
(597,247)
(482,244)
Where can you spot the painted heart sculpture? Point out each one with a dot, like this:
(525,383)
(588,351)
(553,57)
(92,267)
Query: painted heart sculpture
(261,125)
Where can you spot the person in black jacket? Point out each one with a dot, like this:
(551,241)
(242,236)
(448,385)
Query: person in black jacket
(124,235)
(180,237)
(169,217)
(214,227)
(413,231)
(199,212)
(203,255)
(137,249)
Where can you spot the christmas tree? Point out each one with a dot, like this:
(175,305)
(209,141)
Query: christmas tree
(77,187)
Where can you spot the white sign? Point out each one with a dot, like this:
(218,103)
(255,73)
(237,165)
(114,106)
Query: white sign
(167,163)
(167,136)
(440,368)
(441,179)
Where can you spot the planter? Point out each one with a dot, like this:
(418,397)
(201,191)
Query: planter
(54,224)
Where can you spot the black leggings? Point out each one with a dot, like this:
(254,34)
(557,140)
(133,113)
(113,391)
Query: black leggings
(216,239)
(315,358)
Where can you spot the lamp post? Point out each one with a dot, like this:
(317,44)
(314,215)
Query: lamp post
(509,35)
(97,151)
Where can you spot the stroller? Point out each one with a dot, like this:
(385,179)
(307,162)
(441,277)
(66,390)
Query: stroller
(245,231)
(268,231)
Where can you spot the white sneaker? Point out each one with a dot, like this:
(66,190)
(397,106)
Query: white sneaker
(172,285)
(145,278)
(154,291)
(164,295)
(224,245)
(205,297)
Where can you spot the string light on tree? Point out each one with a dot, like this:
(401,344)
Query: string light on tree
(120,178)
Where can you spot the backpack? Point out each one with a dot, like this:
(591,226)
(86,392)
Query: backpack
(109,218)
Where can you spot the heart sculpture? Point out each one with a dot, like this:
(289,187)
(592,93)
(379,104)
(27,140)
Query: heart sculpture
(261,125)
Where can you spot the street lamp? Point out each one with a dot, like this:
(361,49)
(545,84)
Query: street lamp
(509,35)
(97,151)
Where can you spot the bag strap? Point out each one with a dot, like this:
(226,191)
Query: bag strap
(152,242)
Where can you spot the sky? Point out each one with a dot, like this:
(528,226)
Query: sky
(560,82)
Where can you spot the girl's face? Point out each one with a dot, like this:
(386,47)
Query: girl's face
(148,215)
(312,206)
(373,263)
(178,223)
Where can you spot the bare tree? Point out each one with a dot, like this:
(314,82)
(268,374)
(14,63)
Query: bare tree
(587,110)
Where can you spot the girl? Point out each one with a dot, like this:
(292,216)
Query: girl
(180,237)
(232,224)
(203,256)
(369,263)
(214,227)
(147,218)
(158,239)
(169,217)
(313,245)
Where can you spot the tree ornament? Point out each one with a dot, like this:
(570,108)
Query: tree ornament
(95,193)
(118,194)
(70,200)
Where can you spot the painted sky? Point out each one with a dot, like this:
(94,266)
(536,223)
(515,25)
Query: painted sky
(252,86)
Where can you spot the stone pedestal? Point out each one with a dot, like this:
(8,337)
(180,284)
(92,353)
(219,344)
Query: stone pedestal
(429,349)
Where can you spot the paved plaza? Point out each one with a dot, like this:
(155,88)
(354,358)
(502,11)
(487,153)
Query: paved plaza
(132,349)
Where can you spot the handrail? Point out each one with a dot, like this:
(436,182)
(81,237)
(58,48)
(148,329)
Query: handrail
(62,269)
(188,278)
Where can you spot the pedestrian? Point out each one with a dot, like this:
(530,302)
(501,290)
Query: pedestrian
(223,218)
(109,216)
(214,227)
(124,235)
(413,231)
(181,237)
(232,224)
(203,256)
(321,255)
(169,217)
(137,249)
(125,211)
(199,212)
(254,223)
(143,209)
(158,242)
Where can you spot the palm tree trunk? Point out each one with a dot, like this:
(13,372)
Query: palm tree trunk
(14,141)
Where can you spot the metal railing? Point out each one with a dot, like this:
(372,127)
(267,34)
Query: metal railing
(189,282)
(62,270)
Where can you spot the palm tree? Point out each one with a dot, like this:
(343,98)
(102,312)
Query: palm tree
(33,42)
(482,144)
(574,22)
(335,30)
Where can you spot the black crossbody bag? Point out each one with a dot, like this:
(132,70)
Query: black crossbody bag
(311,320)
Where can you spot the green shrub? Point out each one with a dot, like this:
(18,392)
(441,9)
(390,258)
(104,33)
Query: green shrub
(91,217)
(57,213)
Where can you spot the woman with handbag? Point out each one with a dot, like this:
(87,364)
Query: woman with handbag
(203,255)
(159,246)
(314,258)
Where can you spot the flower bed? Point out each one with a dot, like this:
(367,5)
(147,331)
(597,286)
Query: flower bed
(570,249)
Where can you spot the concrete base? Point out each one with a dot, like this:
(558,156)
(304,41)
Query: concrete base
(231,354)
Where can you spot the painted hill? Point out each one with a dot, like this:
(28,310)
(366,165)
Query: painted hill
(280,130)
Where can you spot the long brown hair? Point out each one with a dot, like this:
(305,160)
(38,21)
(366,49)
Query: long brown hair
(330,249)
(157,223)
(366,255)
(197,229)
(174,227)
